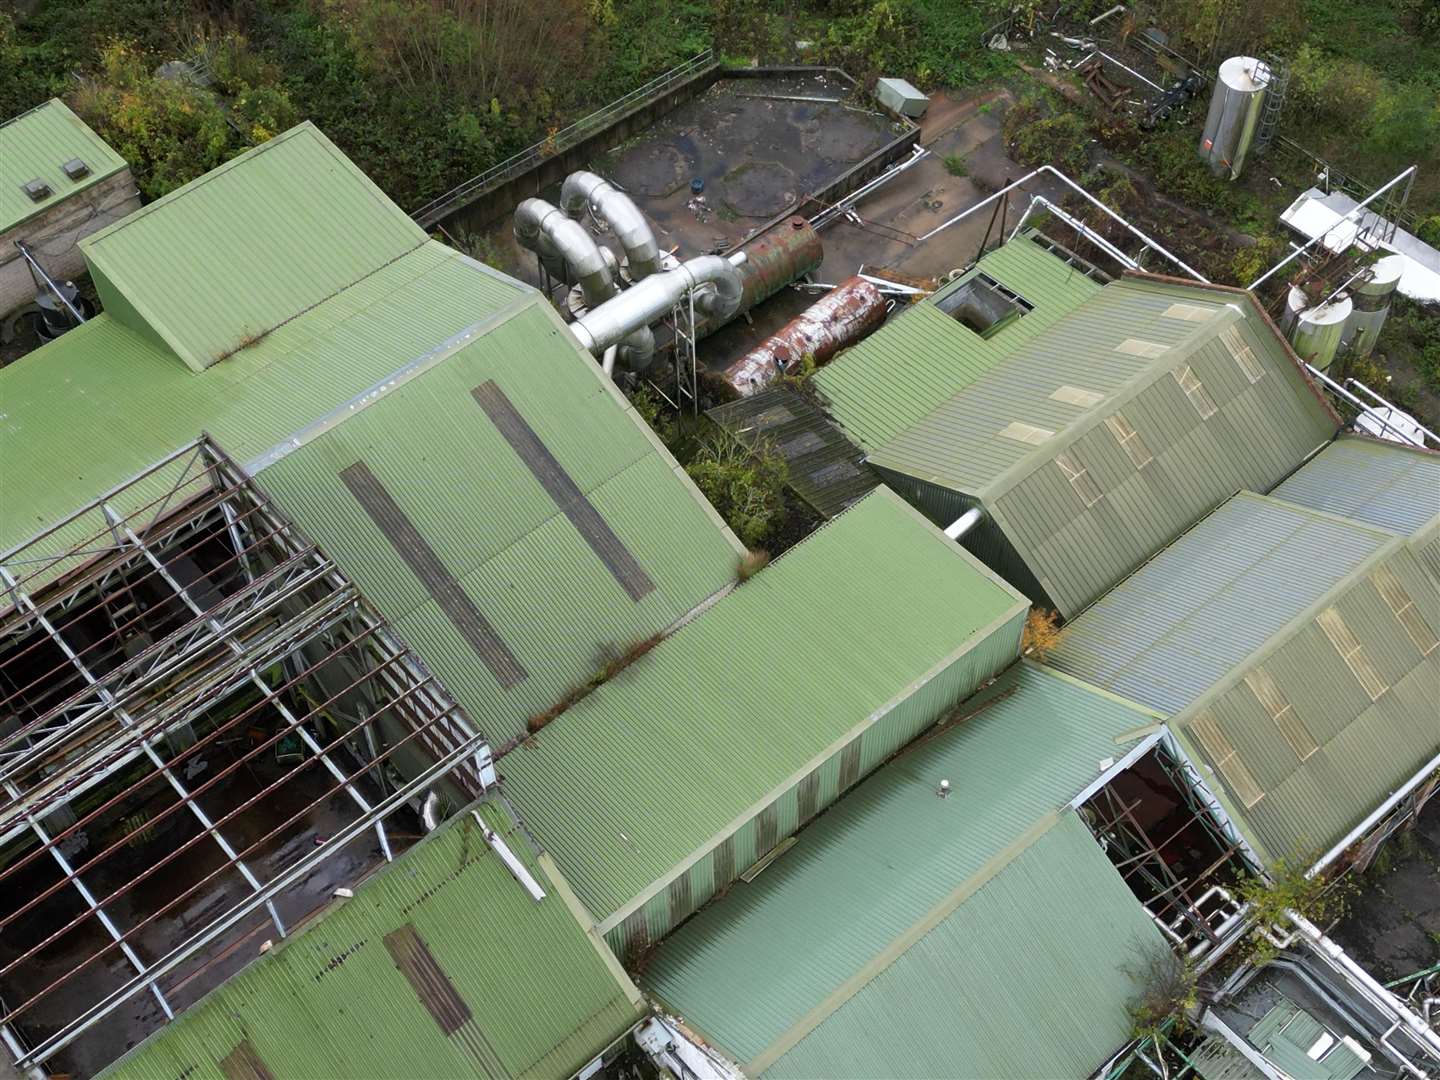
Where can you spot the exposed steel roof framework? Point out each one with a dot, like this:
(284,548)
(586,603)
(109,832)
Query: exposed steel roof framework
(184,642)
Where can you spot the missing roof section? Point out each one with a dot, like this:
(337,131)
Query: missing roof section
(568,497)
(377,502)
(984,305)
(207,730)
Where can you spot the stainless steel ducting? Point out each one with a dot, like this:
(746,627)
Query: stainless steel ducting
(566,250)
(621,320)
(615,208)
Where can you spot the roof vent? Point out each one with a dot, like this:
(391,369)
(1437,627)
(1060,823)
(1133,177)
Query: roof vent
(37,189)
(75,169)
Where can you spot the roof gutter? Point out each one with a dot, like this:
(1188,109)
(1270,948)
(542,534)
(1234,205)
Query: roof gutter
(1375,815)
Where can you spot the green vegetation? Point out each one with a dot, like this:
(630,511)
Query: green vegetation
(1041,129)
(1288,889)
(955,165)
(746,486)
(422,95)
(1168,991)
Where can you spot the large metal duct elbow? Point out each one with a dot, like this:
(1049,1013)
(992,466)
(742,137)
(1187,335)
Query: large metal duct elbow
(618,210)
(565,249)
(635,309)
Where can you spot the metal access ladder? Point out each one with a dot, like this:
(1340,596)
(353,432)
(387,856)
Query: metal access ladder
(1273,104)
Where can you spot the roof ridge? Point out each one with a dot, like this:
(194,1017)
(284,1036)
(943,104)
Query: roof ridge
(878,964)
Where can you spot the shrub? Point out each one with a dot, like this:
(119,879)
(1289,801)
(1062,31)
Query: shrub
(169,131)
(1167,992)
(746,486)
(955,165)
(1042,633)
(751,563)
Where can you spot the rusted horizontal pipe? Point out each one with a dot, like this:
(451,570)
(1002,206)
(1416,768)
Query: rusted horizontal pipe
(839,318)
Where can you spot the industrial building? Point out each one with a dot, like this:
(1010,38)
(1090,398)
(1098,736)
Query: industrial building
(374,682)
(480,963)
(922,925)
(59,182)
(1089,440)
(252,680)
(1293,652)
(666,783)
(211,726)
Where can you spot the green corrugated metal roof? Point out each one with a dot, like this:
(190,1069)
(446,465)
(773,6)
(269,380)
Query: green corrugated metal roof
(918,360)
(1395,487)
(1203,605)
(497,532)
(291,222)
(1238,597)
(657,765)
(753,965)
(1216,1059)
(544,995)
(1064,387)
(959,446)
(1285,1035)
(1024,978)
(134,402)
(34,145)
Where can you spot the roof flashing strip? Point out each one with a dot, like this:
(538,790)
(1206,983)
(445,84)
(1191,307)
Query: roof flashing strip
(395,380)
(568,497)
(425,563)
(512,862)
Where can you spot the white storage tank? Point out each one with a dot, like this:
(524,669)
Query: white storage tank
(1371,298)
(1234,114)
(1316,331)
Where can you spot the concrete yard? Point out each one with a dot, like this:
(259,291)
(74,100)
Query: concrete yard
(1393,925)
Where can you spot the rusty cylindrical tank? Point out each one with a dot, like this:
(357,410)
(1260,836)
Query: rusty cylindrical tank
(773,260)
(841,317)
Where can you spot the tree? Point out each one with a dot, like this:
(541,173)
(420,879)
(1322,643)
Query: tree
(746,486)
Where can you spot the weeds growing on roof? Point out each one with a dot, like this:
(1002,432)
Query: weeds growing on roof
(751,563)
(1042,633)
(612,667)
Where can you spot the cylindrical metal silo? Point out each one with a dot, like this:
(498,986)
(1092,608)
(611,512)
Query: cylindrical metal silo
(1234,114)
(1371,299)
(1318,330)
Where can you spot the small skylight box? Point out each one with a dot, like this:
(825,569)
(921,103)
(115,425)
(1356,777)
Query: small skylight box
(37,189)
(76,169)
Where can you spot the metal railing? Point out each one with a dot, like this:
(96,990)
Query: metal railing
(561,140)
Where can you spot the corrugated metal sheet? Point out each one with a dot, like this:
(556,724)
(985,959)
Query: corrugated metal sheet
(1238,596)
(1028,977)
(506,985)
(920,358)
(496,533)
(655,768)
(1078,537)
(1365,748)
(292,222)
(824,468)
(135,402)
(1392,486)
(34,145)
(1203,605)
(753,965)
